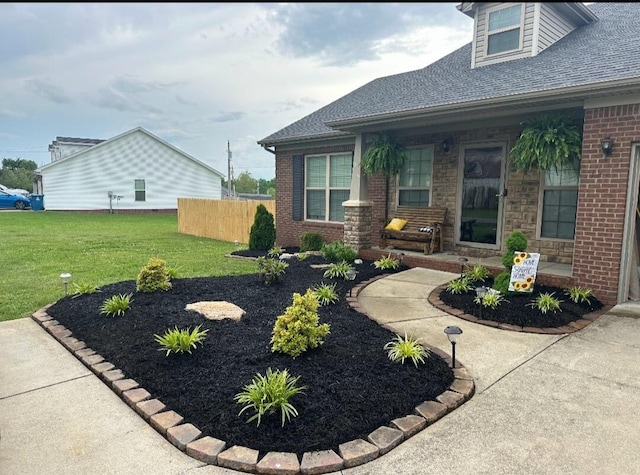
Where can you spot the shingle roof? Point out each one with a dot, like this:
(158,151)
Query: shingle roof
(603,51)
(78,140)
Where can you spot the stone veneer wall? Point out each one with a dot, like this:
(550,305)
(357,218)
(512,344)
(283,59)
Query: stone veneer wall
(357,226)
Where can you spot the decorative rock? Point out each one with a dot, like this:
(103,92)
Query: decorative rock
(206,449)
(149,407)
(410,425)
(463,386)
(121,385)
(217,310)
(431,411)
(324,461)
(134,396)
(451,399)
(164,420)
(386,438)
(183,434)
(279,463)
(357,452)
(239,458)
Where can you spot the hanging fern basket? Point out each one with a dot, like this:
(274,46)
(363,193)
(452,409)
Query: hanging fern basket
(547,142)
(384,156)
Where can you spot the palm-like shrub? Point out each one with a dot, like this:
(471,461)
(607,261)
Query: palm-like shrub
(82,288)
(262,235)
(491,299)
(477,273)
(326,294)
(579,294)
(387,262)
(270,393)
(408,347)
(338,270)
(271,270)
(299,330)
(181,341)
(546,302)
(460,285)
(116,305)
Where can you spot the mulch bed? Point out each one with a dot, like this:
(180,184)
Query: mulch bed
(352,386)
(517,311)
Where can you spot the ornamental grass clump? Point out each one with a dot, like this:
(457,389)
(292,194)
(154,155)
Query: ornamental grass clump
(546,302)
(154,276)
(326,294)
(579,294)
(460,285)
(387,262)
(181,341)
(477,273)
(268,394)
(491,299)
(116,305)
(408,347)
(271,270)
(82,288)
(338,251)
(338,270)
(299,330)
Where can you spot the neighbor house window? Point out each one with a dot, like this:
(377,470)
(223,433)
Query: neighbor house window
(414,180)
(139,190)
(327,184)
(503,29)
(560,202)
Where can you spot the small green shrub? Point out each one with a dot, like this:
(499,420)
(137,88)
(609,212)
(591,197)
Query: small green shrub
(311,241)
(303,256)
(116,305)
(409,347)
(82,288)
(459,286)
(492,299)
(546,302)
(271,270)
(181,341)
(154,276)
(579,294)
(501,282)
(299,330)
(173,272)
(387,262)
(267,394)
(337,251)
(275,251)
(516,241)
(262,235)
(477,273)
(338,270)
(326,294)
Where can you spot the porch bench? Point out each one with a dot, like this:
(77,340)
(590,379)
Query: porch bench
(410,237)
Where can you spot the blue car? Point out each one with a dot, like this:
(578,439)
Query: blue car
(7,200)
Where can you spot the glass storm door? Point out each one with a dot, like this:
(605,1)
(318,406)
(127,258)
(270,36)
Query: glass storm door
(481,202)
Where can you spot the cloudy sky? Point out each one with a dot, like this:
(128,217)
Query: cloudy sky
(200,75)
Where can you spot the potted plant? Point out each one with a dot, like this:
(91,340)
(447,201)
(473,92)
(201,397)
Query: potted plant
(385,155)
(547,142)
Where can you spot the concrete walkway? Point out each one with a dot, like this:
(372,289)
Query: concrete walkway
(544,404)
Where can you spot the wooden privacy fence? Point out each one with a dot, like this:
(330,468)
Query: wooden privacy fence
(225,220)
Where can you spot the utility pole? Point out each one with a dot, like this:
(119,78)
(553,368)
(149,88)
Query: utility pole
(228,170)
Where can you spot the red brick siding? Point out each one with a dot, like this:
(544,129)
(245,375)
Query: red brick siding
(602,198)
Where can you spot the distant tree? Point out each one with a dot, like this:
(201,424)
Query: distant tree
(245,183)
(18,173)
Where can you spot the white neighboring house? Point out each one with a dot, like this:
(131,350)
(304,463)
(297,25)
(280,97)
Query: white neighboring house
(133,171)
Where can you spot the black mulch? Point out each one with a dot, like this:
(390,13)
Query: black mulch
(352,386)
(517,311)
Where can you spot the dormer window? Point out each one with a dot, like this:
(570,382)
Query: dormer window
(504,29)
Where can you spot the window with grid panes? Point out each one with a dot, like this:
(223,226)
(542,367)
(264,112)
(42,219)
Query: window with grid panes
(560,202)
(139,189)
(327,185)
(503,29)
(414,180)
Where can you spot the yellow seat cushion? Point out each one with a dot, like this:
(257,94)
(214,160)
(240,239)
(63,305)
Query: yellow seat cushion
(396,224)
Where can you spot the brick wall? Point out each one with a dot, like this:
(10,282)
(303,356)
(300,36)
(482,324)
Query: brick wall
(602,198)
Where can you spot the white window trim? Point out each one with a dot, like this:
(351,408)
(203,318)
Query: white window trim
(487,34)
(432,148)
(543,188)
(327,188)
(136,190)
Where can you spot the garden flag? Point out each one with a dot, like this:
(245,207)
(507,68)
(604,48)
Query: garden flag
(523,272)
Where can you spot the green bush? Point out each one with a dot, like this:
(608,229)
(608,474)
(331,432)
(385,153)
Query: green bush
(387,262)
(262,235)
(546,302)
(181,341)
(311,241)
(275,251)
(270,393)
(337,251)
(460,285)
(408,347)
(154,276)
(501,282)
(82,288)
(271,270)
(491,299)
(298,330)
(326,294)
(516,241)
(338,269)
(579,294)
(116,306)
(477,273)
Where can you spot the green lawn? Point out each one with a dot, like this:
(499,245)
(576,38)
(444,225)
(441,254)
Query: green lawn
(98,249)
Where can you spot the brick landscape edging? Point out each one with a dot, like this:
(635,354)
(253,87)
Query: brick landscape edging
(587,319)
(188,438)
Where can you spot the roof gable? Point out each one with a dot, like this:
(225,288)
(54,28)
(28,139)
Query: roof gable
(104,143)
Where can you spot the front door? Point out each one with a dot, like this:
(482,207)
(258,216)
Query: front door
(481,192)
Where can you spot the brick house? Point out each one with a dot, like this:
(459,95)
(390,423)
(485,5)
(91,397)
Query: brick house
(458,119)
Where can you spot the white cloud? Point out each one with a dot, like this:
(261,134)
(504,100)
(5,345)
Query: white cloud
(199,75)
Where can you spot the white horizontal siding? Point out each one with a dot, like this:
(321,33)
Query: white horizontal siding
(553,27)
(83,182)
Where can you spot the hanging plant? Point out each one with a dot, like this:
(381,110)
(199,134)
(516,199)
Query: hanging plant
(385,155)
(547,142)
